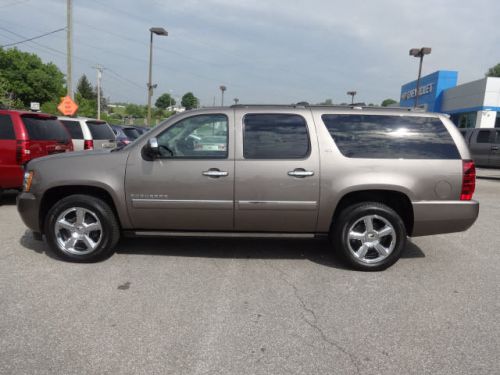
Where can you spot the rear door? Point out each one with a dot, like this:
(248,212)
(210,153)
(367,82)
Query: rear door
(10,170)
(75,130)
(45,135)
(495,152)
(277,172)
(102,134)
(480,146)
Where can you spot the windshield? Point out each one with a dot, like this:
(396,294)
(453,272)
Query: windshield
(45,129)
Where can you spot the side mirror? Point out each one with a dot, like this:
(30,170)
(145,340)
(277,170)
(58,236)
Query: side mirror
(151,151)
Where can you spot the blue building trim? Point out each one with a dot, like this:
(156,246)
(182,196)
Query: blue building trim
(474,109)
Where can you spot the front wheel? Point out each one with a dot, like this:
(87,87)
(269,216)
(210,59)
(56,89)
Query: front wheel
(369,235)
(81,228)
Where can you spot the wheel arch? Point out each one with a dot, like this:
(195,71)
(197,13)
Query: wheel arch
(396,200)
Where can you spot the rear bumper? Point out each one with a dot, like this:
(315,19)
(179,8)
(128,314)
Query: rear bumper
(435,217)
(28,206)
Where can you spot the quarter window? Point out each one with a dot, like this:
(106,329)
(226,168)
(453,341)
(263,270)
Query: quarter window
(275,136)
(391,137)
(6,127)
(197,137)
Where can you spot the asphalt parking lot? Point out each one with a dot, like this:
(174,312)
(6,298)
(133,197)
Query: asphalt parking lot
(226,306)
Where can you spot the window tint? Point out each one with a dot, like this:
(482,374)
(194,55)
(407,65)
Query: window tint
(6,127)
(43,129)
(131,133)
(100,130)
(204,136)
(275,136)
(483,136)
(74,129)
(391,137)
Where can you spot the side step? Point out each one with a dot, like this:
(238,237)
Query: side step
(222,234)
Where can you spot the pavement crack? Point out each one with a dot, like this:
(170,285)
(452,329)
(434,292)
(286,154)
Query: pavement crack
(313,323)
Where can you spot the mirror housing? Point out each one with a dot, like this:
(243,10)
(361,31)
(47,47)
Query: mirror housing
(151,151)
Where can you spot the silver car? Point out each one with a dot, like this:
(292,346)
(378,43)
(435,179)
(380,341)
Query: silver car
(365,177)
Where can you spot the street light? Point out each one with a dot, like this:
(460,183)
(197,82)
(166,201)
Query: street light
(222,89)
(236,100)
(352,94)
(419,52)
(158,31)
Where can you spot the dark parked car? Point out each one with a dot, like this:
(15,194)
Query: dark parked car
(25,136)
(484,146)
(142,129)
(125,134)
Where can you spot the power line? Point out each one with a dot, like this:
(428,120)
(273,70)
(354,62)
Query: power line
(33,38)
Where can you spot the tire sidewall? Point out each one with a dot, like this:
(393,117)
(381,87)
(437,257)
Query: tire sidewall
(352,214)
(97,207)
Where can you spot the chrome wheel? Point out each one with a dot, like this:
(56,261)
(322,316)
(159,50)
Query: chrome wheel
(78,231)
(371,239)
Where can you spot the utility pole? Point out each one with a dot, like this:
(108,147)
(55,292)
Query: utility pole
(99,70)
(69,46)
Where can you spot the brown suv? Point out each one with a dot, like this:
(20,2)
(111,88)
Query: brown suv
(367,177)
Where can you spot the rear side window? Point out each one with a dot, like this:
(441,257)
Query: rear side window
(483,136)
(74,128)
(131,133)
(100,130)
(391,137)
(275,136)
(45,129)
(6,127)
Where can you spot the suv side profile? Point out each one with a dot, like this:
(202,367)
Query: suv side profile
(365,177)
(25,136)
(88,133)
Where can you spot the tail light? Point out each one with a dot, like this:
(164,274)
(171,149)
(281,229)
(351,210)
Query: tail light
(88,145)
(468,180)
(23,152)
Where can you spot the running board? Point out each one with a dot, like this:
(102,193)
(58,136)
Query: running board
(221,234)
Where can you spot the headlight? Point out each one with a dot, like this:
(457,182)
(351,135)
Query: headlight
(28,178)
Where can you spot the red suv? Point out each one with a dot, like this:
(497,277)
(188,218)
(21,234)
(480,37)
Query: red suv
(25,136)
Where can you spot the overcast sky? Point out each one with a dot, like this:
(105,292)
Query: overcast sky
(271,51)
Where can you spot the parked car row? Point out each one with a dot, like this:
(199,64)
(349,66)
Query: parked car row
(28,135)
(484,146)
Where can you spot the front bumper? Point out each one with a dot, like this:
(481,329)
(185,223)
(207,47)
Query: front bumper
(435,217)
(28,206)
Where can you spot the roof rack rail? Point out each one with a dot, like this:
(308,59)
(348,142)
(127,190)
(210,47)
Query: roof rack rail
(332,106)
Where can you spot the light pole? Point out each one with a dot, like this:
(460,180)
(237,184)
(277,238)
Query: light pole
(352,94)
(236,100)
(222,89)
(157,31)
(419,52)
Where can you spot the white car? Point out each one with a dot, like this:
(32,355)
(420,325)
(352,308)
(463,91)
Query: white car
(89,134)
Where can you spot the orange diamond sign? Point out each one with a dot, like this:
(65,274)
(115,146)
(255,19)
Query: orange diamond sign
(67,106)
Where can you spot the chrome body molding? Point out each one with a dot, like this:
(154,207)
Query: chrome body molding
(183,204)
(277,205)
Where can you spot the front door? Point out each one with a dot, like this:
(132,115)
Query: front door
(277,172)
(191,185)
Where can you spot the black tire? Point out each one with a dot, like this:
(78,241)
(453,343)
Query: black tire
(93,208)
(378,213)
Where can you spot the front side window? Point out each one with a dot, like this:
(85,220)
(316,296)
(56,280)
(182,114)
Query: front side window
(391,137)
(203,136)
(275,136)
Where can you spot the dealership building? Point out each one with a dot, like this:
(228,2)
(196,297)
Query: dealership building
(474,104)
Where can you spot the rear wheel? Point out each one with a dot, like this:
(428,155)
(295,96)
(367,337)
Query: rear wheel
(369,235)
(82,228)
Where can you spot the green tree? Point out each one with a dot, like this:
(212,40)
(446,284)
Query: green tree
(135,110)
(388,102)
(165,101)
(86,107)
(28,79)
(189,101)
(494,71)
(84,88)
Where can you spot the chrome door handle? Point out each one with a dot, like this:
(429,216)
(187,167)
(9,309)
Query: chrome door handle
(215,173)
(300,172)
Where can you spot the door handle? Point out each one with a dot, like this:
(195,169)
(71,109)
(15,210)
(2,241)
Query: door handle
(214,173)
(300,173)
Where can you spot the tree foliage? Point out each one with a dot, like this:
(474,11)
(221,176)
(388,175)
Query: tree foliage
(84,89)
(165,101)
(135,110)
(494,71)
(28,79)
(388,102)
(189,101)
